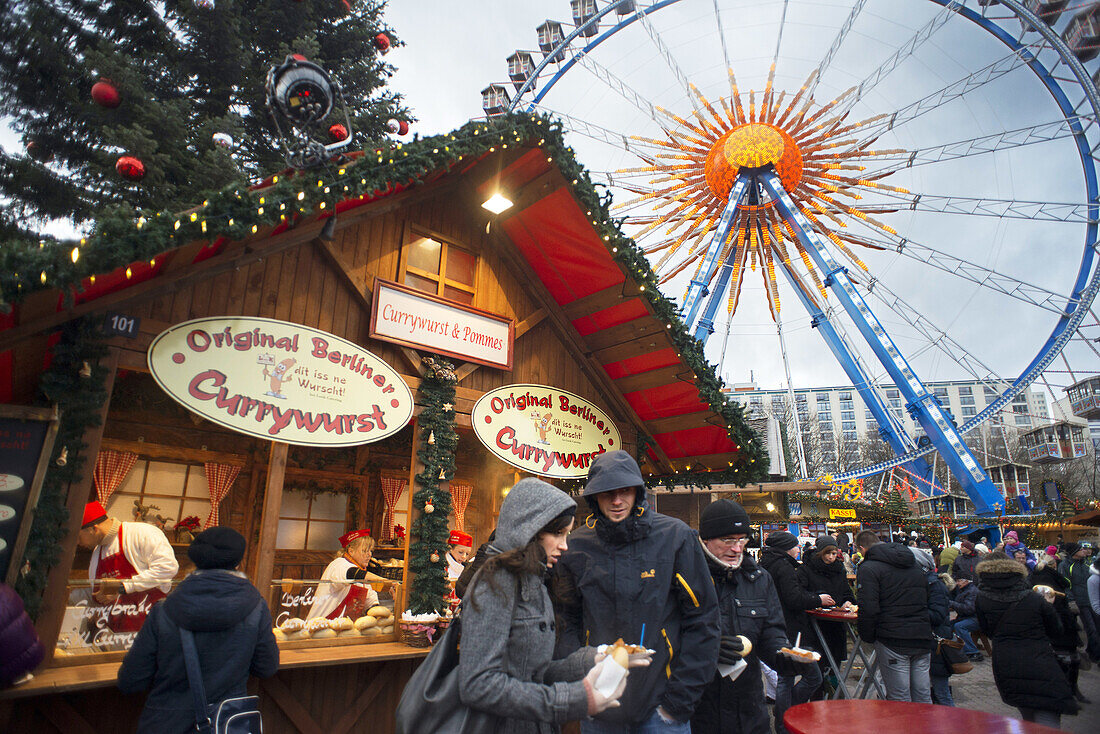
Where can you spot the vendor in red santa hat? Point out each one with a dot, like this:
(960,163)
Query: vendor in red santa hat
(462,544)
(345,590)
(131,568)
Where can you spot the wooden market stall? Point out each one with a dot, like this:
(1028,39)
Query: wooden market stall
(579,319)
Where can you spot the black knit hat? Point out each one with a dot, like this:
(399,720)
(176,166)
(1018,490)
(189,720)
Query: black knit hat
(781,540)
(722,518)
(824,542)
(218,547)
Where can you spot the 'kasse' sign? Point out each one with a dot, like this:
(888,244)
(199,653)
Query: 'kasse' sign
(543,430)
(280,381)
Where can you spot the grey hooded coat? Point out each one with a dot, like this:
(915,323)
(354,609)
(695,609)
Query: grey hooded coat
(508,630)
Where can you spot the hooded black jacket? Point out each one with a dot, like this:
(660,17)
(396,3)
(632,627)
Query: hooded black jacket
(213,604)
(748,606)
(1020,623)
(796,598)
(647,570)
(831,579)
(1046,574)
(893,599)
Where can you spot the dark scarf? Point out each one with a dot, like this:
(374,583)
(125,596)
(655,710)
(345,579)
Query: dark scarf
(827,569)
(634,527)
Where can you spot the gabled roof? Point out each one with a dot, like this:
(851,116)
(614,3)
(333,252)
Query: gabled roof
(558,225)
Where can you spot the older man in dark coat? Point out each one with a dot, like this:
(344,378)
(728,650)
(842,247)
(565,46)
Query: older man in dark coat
(751,612)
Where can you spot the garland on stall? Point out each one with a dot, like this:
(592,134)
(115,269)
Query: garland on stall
(438,442)
(74,383)
(866,510)
(122,238)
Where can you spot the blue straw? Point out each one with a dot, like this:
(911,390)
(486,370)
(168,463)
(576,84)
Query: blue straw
(641,641)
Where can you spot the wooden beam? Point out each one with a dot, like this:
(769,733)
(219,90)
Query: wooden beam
(175,453)
(61,714)
(714,461)
(286,700)
(56,595)
(534,191)
(598,301)
(641,326)
(683,422)
(645,344)
(655,378)
(760,487)
(413,358)
(363,701)
(337,262)
(269,524)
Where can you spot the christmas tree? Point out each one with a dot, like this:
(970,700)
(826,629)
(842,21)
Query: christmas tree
(177,86)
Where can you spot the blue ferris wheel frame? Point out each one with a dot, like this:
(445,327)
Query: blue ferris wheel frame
(1087,282)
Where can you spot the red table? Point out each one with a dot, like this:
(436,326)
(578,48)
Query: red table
(876,717)
(862,688)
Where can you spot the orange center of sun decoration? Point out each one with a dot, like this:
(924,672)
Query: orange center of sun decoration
(753,145)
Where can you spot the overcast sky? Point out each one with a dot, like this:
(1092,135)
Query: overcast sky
(454,50)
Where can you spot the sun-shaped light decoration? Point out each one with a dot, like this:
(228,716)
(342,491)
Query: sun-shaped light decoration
(698,163)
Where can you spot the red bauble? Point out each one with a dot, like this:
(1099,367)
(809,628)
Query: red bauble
(344,7)
(337,133)
(382,43)
(104,94)
(130,168)
(38,151)
(402,128)
(298,57)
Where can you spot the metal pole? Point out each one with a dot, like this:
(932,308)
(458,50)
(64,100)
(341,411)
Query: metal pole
(790,398)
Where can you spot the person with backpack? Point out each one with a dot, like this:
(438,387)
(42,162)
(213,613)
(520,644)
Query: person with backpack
(231,627)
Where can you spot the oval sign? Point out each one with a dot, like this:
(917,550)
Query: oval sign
(6,513)
(280,381)
(543,430)
(10,482)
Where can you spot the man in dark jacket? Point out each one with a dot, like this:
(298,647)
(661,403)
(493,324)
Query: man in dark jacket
(966,624)
(779,560)
(963,567)
(751,611)
(215,603)
(1075,570)
(631,569)
(893,614)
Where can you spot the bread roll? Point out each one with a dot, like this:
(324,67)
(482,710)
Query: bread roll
(372,632)
(342,624)
(292,625)
(620,656)
(280,636)
(388,629)
(324,634)
(746,646)
(365,623)
(378,611)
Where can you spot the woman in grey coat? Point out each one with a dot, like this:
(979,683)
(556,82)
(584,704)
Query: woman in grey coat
(505,664)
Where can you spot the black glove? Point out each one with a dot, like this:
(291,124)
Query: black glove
(729,650)
(787,666)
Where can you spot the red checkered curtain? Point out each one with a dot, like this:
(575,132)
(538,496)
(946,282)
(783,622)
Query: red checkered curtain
(460,497)
(111,467)
(219,478)
(391,492)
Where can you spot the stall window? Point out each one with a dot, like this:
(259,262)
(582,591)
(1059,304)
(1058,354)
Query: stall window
(441,268)
(311,520)
(164,490)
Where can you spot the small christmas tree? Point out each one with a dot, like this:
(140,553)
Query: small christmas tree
(86,84)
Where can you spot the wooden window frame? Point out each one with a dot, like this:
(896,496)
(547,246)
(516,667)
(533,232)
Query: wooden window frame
(414,232)
(343,522)
(153,498)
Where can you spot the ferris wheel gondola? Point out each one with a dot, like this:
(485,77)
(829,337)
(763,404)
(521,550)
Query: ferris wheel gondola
(822,182)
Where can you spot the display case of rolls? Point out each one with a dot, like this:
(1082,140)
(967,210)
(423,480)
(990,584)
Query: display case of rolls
(315,613)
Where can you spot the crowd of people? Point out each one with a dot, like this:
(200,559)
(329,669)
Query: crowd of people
(716,623)
(717,637)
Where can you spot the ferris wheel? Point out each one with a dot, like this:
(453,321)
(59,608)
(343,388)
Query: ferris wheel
(914,181)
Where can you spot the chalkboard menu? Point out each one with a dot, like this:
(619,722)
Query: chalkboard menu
(26,439)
